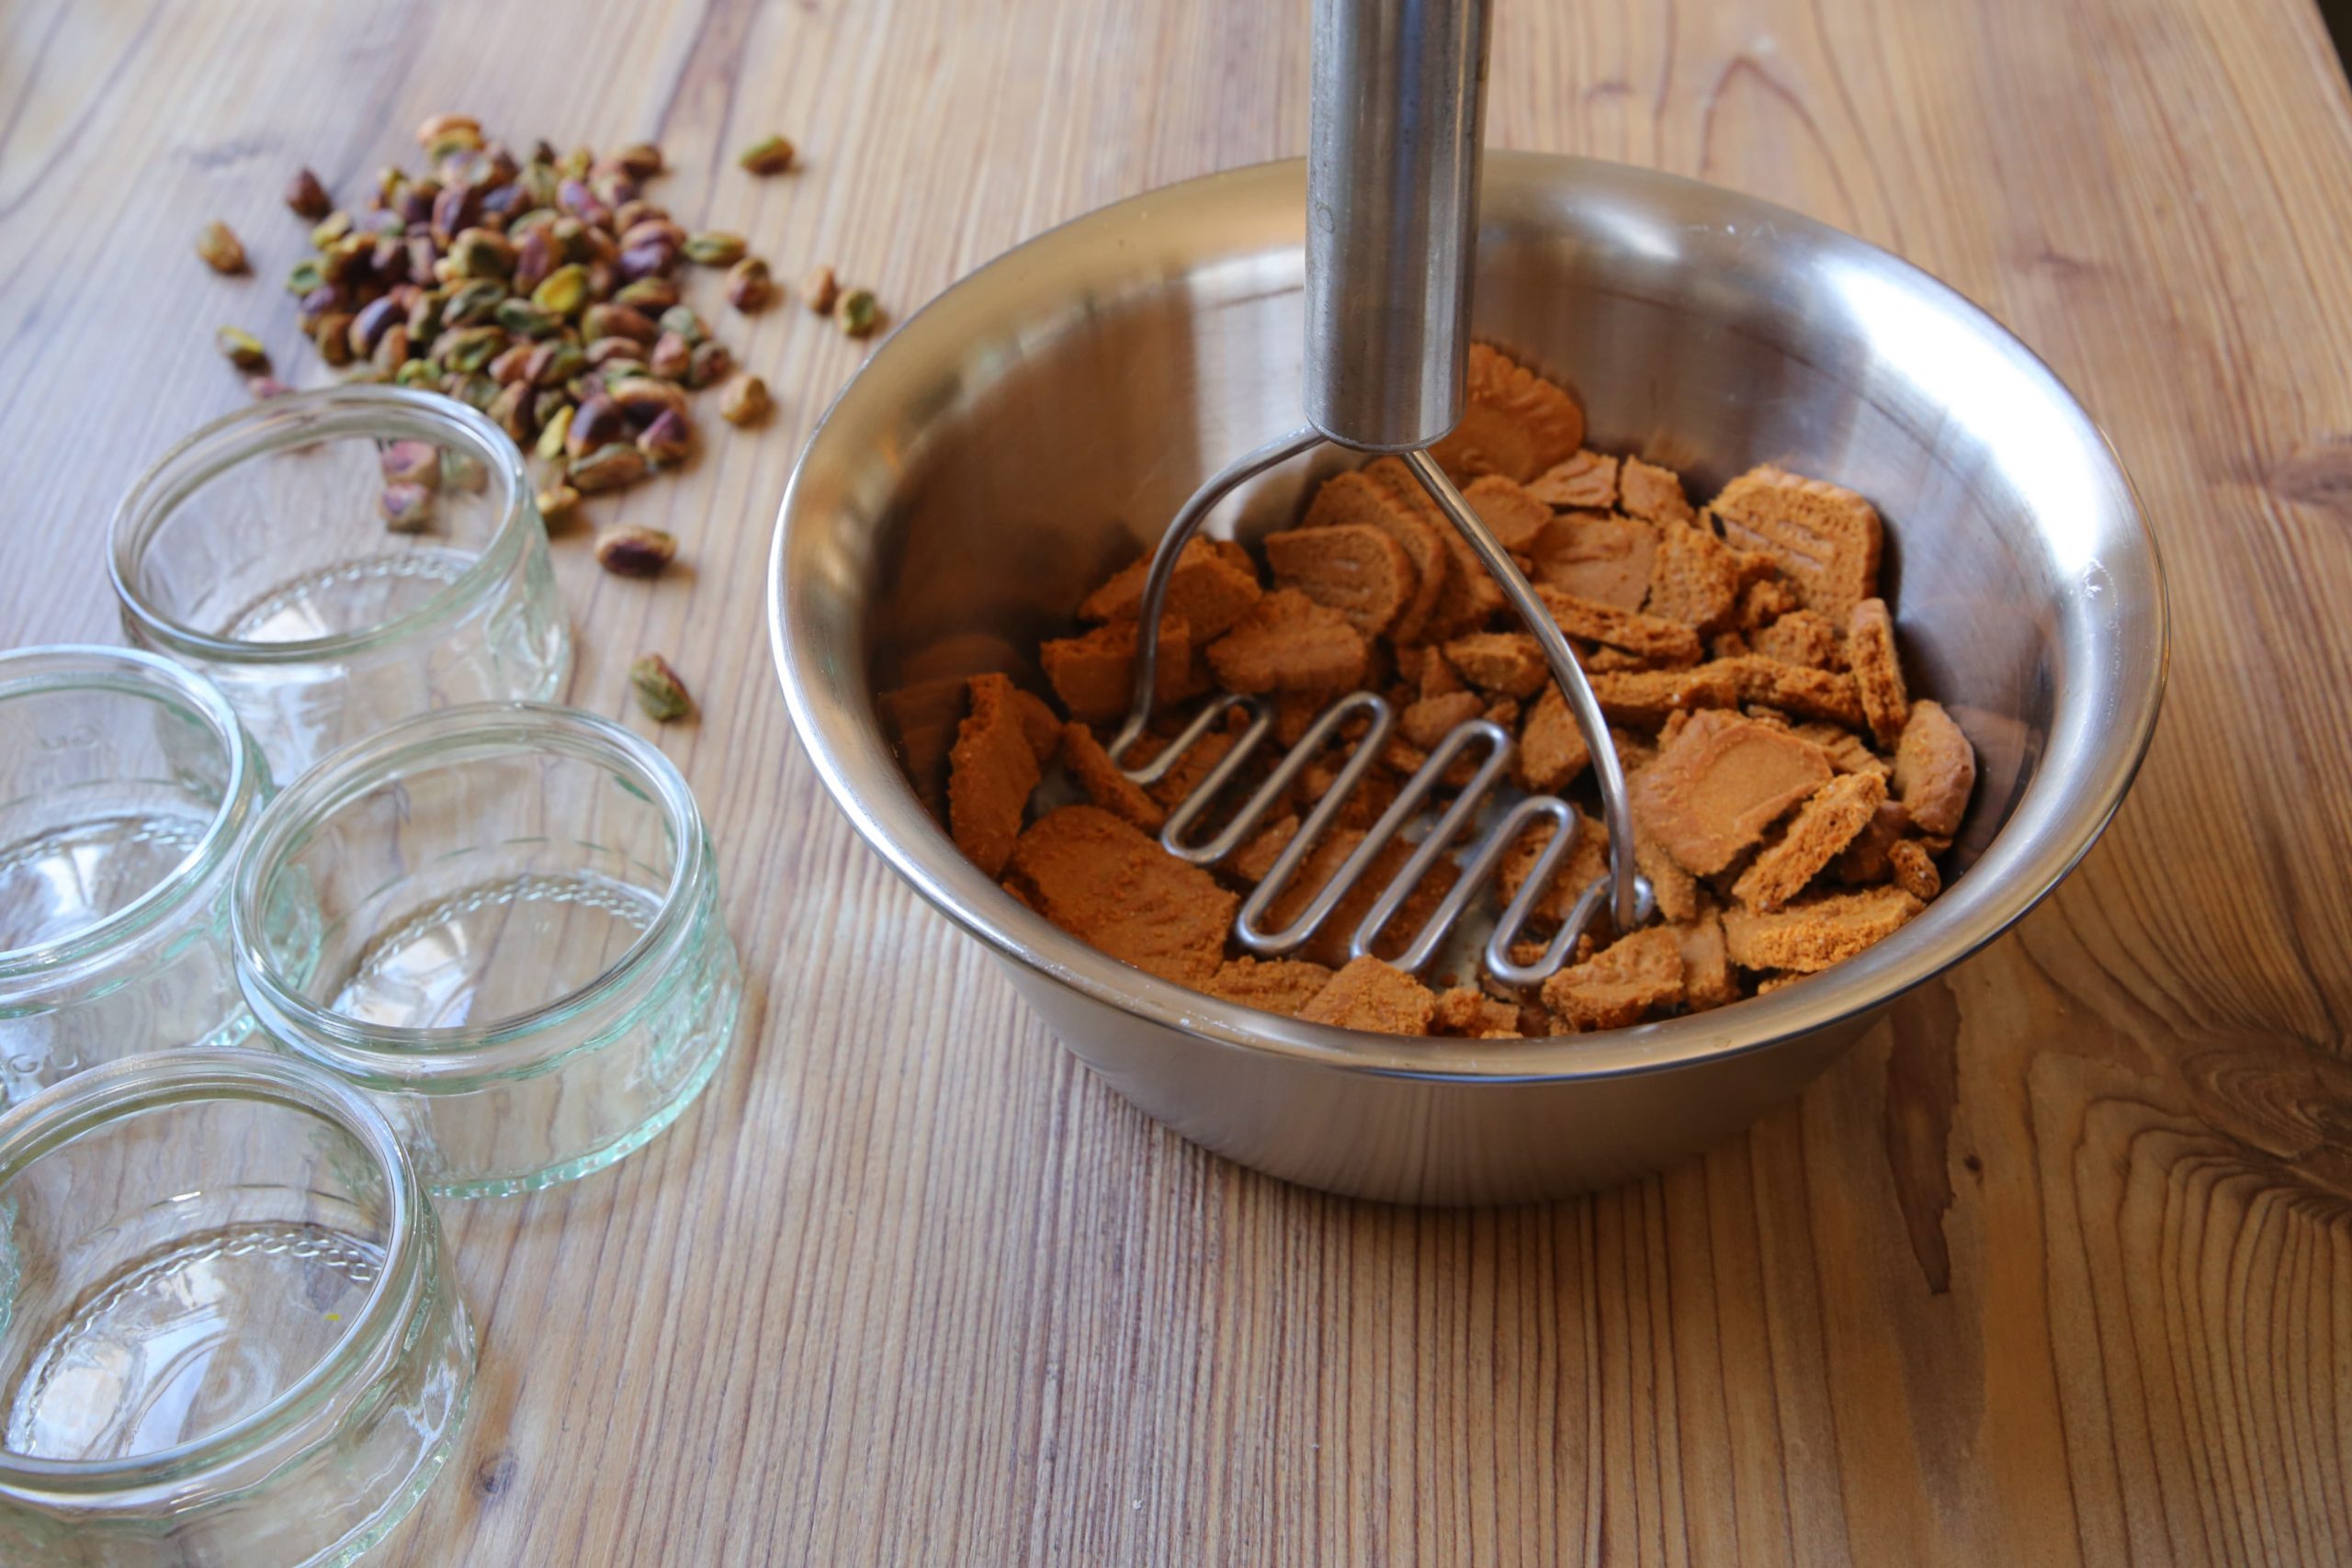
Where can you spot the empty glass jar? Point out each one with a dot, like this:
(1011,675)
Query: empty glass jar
(517,949)
(229,1332)
(337,561)
(126,789)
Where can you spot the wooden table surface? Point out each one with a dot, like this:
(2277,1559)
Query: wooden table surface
(2056,1268)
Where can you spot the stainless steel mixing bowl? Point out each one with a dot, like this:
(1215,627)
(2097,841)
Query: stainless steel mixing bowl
(1038,425)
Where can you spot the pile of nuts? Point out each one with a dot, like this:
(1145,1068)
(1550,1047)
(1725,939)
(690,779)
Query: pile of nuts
(544,291)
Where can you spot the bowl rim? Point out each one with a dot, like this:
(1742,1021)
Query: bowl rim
(903,832)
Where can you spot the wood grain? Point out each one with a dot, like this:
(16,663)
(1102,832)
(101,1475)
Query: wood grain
(2056,1268)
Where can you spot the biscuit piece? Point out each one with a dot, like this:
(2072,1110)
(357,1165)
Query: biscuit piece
(1827,540)
(1761,604)
(1935,770)
(1552,752)
(1656,494)
(1329,941)
(1647,698)
(1652,636)
(1101,880)
(1289,643)
(1608,559)
(1707,980)
(1694,579)
(1425,723)
(1209,589)
(1849,752)
(1796,688)
(1865,859)
(1467,1013)
(1438,677)
(1719,785)
(1040,723)
(1618,985)
(1509,513)
(1586,860)
(1816,932)
(1509,664)
(1371,995)
(992,770)
(1355,569)
(1675,889)
(1513,422)
(1800,637)
(1878,672)
(1109,788)
(1270,984)
(1193,767)
(1823,827)
(1914,869)
(1579,479)
(1094,675)
(1358,498)
(1253,859)
(1470,594)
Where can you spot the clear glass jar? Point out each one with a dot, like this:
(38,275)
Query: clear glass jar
(229,1331)
(126,790)
(518,951)
(258,553)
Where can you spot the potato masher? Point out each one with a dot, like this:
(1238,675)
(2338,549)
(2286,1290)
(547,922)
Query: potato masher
(1396,119)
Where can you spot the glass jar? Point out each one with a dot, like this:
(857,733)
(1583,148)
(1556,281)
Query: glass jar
(336,561)
(126,790)
(518,948)
(229,1332)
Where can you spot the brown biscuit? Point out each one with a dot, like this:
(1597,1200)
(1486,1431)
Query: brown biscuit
(1820,830)
(921,720)
(1513,422)
(1587,858)
(1656,494)
(1431,720)
(1209,589)
(1509,664)
(1467,1013)
(1512,516)
(1675,889)
(1935,770)
(1719,785)
(1600,558)
(1878,672)
(1865,859)
(1040,723)
(1647,698)
(992,771)
(1761,604)
(1253,859)
(1619,985)
(1105,783)
(1651,637)
(1827,540)
(1470,594)
(1582,480)
(1346,500)
(1552,752)
(1287,642)
(1094,675)
(1816,932)
(1914,869)
(1193,768)
(1707,980)
(1355,569)
(1107,885)
(1438,677)
(1796,688)
(1694,579)
(1371,995)
(1270,984)
(1801,636)
(1849,752)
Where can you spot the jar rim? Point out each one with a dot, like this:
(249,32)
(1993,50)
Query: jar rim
(65,1111)
(30,671)
(295,419)
(459,1056)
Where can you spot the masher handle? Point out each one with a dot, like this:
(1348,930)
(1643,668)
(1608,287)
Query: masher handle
(1396,122)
